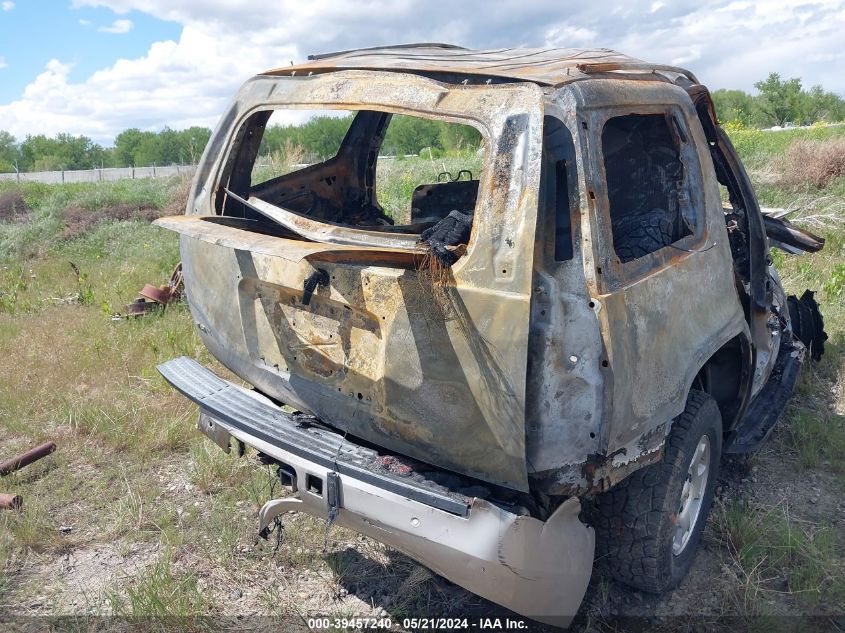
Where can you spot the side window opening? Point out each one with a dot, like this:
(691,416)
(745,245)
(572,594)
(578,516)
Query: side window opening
(563,217)
(558,195)
(647,186)
(368,170)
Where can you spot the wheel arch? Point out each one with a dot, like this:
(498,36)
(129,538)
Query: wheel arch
(726,376)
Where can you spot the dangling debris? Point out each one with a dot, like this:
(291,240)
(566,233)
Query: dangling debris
(807,322)
(452,230)
(318,278)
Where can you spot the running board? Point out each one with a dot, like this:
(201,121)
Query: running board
(766,409)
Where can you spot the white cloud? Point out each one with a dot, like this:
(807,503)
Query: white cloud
(571,36)
(85,22)
(727,43)
(3,63)
(118,26)
(7,6)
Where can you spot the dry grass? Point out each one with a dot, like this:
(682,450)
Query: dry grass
(79,221)
(134,479)
(812,162)
(13,207)
(179,195)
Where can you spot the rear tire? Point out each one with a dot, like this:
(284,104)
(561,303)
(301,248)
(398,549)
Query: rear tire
(649,526)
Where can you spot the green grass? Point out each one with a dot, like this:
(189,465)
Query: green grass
(818,438)
(162,593)
(757,147)
(777,553)
(132,472)
(396,179)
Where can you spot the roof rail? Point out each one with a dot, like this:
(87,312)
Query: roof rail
(319,56)
(603,67)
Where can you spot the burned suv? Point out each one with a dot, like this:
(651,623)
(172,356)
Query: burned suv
(507,370)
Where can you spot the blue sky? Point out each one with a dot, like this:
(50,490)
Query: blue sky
(97,67)
(34,32)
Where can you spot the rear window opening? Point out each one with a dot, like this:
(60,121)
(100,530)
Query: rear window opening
(366,177)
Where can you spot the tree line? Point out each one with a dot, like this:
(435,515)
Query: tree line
(320,137)
(778,102)
(317,139)
(132,148)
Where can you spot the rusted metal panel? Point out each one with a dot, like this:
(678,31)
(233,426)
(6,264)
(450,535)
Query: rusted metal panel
(430,365)
(545,66)
(617,346)
(663,315)
(237,235)
(565,403)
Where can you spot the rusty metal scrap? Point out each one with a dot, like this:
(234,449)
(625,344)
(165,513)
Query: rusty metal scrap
(24,459)
(151,297)
(10,501)
(551,66)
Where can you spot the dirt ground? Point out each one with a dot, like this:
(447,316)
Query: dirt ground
(356,576)
(137,515)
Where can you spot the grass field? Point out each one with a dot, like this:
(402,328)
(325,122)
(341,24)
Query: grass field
(136,514)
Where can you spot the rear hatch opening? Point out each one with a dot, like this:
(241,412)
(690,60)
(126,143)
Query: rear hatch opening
(385,296)
(358,190)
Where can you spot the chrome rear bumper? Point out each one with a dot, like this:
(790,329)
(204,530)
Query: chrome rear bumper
(539,569)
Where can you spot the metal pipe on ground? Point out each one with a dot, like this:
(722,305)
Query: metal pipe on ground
(9,501)
(24,459)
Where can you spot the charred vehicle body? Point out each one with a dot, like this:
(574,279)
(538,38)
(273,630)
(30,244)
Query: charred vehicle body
(537,363)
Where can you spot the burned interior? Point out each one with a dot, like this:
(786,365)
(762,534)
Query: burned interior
(343,191)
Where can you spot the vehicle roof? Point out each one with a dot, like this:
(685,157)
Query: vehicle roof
(544,66)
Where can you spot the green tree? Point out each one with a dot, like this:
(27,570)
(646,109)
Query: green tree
(454,136)
(76,152)
(40,152)
(148,152)
(8,151)
(322,135)
(192,142)
(408,135)
(126,146)
(735,105)
(780,100)
(65,151)
(818,105)
(170,150)
(132,147)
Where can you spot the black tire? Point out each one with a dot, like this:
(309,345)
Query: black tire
(635,521)
(640,235)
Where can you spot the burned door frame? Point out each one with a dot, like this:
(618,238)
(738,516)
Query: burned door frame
(564,399)
(657,342)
